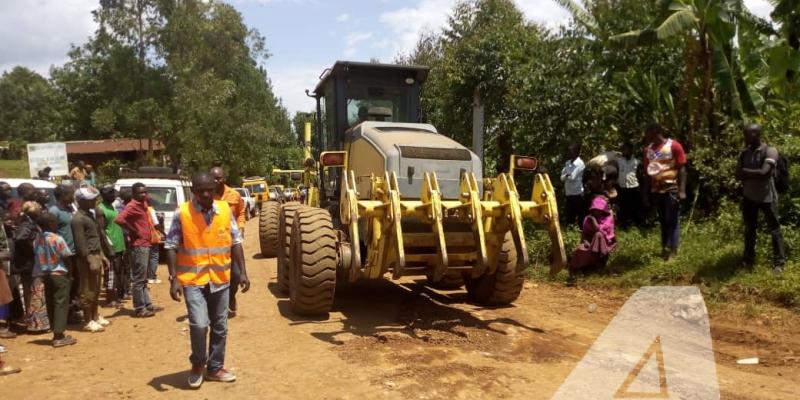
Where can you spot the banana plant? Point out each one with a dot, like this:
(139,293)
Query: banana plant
(709,27)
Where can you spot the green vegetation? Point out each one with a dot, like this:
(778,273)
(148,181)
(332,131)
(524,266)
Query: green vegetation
(14,169)
(700,67)
(710,257)
(183,72)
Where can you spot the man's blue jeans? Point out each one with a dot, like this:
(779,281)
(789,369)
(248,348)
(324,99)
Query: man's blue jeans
(669,216)
(140,262)
(207,309)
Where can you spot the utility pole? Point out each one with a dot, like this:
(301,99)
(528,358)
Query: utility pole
(477,125)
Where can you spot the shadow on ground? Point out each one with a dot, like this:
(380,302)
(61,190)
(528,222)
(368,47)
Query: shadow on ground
(177,380)
(374,308)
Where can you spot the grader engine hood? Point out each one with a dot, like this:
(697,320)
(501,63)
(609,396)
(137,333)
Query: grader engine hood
(411,150)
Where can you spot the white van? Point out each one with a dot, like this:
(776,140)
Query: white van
(166,190)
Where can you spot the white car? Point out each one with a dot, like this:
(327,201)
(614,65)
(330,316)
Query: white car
(165,194)
(48,186)
(249,202)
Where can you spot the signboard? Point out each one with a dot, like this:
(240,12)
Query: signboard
(53,155)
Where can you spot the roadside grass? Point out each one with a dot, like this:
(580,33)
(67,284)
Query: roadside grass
(14,169)
(710,257)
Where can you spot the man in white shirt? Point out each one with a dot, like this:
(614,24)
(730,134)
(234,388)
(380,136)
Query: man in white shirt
(630,195)
(572,176)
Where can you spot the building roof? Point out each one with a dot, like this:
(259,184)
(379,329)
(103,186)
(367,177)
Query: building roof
(111,146)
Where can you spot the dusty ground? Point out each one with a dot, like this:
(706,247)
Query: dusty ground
(384,340)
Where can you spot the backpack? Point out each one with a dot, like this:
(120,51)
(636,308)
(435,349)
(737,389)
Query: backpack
(781,177)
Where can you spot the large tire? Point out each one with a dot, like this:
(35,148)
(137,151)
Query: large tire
(504,285)
(285,224)
(313,262)
(448,282)
(268,228)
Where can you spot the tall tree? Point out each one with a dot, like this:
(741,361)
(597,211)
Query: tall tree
(29,108)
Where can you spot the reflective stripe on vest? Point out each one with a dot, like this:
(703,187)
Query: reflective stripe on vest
(205,255)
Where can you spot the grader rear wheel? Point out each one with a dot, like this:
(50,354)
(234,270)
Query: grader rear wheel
(504,285)
(313,261)
(268,228)
(284,233)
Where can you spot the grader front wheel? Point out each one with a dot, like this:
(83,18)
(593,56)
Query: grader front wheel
(268,228)
(504,285)
(284,233)
(313,260)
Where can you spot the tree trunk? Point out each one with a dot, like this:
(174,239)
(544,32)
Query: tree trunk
(684,103)
(477,124)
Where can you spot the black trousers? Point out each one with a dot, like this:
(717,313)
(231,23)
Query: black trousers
(630,206)
(750,211)
(575,210)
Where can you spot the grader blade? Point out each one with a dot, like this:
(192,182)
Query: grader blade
(348,210)
(495,221)
(546,213)
(431,212)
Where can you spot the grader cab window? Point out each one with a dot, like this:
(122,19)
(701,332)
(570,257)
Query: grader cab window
(360,99)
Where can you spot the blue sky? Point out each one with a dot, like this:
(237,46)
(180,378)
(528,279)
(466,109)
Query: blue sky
(304,36)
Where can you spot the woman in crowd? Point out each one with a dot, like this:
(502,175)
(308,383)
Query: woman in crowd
(33,287)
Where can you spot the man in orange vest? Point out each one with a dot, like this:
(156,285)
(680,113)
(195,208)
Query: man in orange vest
(203,241)
(225,193)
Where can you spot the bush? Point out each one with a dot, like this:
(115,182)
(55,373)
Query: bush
(710,256)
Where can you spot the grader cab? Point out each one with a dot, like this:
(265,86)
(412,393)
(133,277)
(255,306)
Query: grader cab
(394,196)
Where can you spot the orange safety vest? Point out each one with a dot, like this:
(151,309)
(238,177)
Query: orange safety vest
(205,255)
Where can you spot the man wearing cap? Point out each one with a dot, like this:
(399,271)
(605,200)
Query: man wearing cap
(665,163)
(92,250)
(202,243)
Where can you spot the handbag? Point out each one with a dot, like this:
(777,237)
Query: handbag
(155,234)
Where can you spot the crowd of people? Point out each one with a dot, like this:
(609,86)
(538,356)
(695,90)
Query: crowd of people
(104,244)
(615,187)
(89,243)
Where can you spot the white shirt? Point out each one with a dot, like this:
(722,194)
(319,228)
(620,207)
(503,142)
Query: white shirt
(627,172)
(572,176)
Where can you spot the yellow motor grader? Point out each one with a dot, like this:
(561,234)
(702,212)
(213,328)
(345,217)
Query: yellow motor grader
(392,196)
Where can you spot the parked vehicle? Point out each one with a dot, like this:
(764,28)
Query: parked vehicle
(257,187)
(167,190)
(249,201)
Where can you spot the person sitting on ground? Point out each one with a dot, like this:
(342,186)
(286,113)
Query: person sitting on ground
(598,238)
(51,250)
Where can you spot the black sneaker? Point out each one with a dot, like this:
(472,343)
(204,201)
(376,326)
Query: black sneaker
(144,313)
(65,341)
(155,308)
(777,270)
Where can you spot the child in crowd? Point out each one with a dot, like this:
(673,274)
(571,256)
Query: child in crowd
(51,250)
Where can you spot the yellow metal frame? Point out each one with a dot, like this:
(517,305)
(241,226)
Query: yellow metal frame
(499,212)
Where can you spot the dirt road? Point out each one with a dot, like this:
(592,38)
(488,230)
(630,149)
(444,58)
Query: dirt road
(384,340)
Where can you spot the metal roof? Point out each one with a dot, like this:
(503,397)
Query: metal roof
(111,146)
